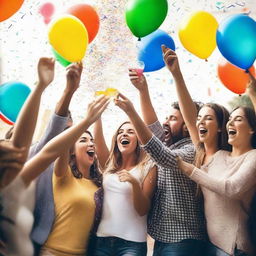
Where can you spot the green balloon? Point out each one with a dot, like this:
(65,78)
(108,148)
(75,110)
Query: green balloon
(60,59)
(145,16)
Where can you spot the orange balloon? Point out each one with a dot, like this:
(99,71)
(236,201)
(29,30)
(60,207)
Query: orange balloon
(8,8)
(88,16)
(234,78)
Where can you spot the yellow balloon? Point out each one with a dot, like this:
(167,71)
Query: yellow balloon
(111,92)
(197,33)
(68,36)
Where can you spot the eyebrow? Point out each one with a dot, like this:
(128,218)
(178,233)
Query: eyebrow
(205,116)
(237,116)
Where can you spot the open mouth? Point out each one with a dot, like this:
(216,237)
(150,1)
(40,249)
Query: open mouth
(167,131)
(231,132)
(203,130)
(90,153)
(125,141)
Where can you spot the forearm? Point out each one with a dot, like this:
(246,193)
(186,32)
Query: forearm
(101,146)
(63,104)
(253,100)
(140,201)
(52,150)
(148,111)
(142,131)
(26,123)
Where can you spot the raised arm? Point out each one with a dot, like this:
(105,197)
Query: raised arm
(101,146)
(63,142)
(148,111)
(59,120)
(251,90)
(26,122)
(187,106)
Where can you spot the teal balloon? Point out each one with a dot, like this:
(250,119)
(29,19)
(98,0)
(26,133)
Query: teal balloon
(12,97)
(60,59)
(236,40)
(145,16)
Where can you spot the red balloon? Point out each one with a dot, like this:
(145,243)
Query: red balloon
(8,8)
(234,78)
(47,10)
(6,120)
(88,16)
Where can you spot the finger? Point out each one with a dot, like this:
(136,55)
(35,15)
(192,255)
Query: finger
(8,147)
(164,48)
(122,96)
(11,157)
(252,77)
(12,165)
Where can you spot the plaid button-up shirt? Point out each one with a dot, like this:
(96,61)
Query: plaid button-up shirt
(176,212)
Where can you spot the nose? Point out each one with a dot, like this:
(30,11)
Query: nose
(166,121)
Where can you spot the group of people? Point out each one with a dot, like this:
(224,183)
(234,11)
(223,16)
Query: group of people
(189,183)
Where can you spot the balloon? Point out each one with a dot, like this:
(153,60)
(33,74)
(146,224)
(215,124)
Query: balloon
(197,34)
(236,40)
(60,59)
(145,16)
(88,16)
(68,36)
(234,78)
(9,7)
(12,97)
(150,51)
(47,11)
(6,120)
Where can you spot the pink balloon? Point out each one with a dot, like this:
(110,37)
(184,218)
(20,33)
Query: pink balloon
(47,10)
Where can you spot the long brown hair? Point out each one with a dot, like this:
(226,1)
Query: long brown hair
(222,116)
(95,173)
(251,118)
(115,160)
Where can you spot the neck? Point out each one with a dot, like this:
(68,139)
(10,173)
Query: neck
(211,148)
(129,161)
(85,170)
(241,149)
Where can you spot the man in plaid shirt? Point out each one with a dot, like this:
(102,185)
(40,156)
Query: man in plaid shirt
(176,220)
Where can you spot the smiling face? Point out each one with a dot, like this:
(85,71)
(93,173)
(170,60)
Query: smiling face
(127,140)
(239,129)
(85,150)
(207,125)
(174,127)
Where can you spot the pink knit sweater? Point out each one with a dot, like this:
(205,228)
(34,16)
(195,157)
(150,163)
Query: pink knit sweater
(228,185)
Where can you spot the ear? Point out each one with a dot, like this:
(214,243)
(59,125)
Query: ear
(185,129)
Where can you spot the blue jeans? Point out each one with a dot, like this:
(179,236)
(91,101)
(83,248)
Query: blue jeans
(188,247)
(213,250)
(114,246)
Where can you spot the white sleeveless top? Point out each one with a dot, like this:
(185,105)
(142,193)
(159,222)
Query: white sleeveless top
(119,217)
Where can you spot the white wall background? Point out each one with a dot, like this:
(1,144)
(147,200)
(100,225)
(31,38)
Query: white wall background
(23,39)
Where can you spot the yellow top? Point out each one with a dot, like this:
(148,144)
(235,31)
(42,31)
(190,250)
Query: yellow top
(74,214)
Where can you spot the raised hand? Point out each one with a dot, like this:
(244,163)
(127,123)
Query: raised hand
(73,76)
(96,108)
(45,69)
(139,81)
(251,86)
(171,60)
(12,160)
(124,103)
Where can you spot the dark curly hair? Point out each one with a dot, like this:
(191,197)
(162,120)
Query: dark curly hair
(95,173)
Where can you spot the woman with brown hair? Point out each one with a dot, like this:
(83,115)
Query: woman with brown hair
(129,180)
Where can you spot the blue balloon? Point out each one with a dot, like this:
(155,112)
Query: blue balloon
(236,40)
(12,97)
(150,51)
